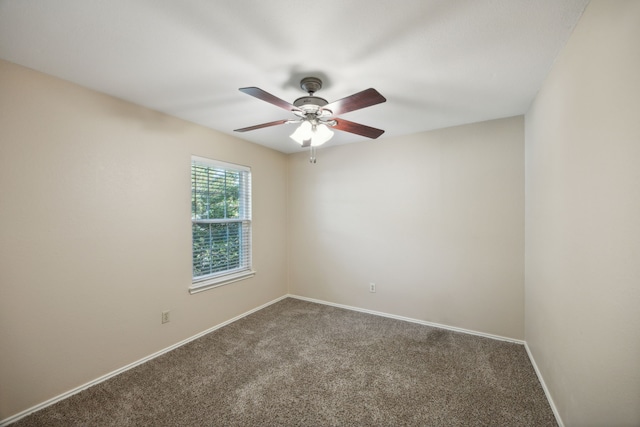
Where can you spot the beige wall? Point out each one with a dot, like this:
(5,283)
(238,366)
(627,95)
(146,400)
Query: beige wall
(434,219)
(583,221)
(95,230)
(95,234)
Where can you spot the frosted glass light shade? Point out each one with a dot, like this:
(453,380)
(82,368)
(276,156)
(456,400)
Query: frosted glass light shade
(302,133)
(318,134)
(322,135)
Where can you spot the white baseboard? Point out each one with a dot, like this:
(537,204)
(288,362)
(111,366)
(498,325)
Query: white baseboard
(456,329)
(112,374)
(409,319)
(544,387)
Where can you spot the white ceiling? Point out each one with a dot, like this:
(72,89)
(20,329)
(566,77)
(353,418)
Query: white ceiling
(439,63)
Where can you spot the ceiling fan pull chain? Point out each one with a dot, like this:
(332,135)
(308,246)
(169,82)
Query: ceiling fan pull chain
(312,157)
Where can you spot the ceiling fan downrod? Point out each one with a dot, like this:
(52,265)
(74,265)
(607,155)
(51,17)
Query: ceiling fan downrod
(311,85)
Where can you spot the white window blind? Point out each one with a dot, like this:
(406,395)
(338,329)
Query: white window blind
(221,222)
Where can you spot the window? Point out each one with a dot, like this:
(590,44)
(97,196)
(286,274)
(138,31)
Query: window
(221,223)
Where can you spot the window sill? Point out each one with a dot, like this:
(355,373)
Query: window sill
(215,282)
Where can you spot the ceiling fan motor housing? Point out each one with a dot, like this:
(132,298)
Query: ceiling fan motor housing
(310,104)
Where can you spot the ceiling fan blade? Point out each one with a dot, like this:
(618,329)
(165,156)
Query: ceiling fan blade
(266,96)
(357,128)
(363,99)
(263,125)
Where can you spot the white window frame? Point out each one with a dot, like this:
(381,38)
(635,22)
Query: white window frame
(245,271)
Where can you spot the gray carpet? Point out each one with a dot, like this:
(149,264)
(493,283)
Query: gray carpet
(297,363)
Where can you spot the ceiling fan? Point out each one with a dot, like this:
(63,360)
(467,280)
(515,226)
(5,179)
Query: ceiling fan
(315,115)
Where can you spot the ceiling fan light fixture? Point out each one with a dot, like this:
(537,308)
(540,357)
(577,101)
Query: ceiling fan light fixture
(316,115)
(318,134)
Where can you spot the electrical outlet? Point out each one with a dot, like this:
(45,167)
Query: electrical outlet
(372,287)
(165,316)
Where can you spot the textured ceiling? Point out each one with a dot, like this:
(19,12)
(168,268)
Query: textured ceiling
(439,63)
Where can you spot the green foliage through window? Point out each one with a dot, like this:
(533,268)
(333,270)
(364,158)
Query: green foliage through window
(221,223)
